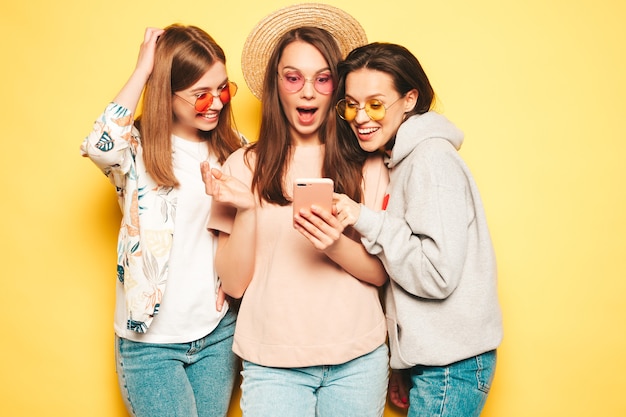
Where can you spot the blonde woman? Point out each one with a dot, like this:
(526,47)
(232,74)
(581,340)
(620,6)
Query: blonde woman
(173,332)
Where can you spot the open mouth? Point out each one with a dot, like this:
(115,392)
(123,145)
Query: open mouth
(306,114)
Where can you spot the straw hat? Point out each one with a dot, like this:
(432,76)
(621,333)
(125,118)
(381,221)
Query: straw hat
(263,38)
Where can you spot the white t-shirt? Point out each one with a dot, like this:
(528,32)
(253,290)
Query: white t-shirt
(187,311)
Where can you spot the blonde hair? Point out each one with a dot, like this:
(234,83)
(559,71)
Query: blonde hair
(183,54)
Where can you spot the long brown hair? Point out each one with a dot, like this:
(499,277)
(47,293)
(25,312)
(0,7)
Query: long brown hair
(183,54)
(273,147)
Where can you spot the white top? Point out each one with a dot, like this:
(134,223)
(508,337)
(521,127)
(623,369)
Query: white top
(187,311)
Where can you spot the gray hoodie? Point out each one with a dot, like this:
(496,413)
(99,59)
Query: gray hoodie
(442,302)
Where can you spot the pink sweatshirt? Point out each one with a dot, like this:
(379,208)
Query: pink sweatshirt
(300,308)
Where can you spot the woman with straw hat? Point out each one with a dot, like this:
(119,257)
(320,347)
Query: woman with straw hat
(311,330)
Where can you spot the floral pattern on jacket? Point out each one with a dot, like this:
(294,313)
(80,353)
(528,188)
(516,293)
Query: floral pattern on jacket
(148,213)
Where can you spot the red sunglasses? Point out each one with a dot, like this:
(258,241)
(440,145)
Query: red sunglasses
(205,100)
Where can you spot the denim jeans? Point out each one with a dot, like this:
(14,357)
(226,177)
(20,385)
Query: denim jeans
(356,388)
(456,390)
(179,379)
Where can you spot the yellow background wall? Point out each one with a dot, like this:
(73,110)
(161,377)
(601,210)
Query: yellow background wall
(538,86)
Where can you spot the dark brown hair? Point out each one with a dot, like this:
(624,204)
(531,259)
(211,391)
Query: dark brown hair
(397,61)
(183,55)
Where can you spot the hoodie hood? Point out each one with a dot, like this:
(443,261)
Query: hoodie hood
(421,127)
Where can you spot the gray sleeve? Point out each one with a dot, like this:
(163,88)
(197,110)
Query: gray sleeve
(424,246)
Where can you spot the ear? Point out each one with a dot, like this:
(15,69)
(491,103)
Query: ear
(410,100)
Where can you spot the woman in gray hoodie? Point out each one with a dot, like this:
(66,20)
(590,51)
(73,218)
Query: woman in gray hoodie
(442,308)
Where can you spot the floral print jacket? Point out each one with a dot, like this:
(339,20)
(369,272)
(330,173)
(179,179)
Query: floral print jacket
(148,213)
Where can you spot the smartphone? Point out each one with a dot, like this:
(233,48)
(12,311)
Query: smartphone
(309,191)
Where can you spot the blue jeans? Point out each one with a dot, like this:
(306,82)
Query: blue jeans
(356,388)
(456,390)
(179,379)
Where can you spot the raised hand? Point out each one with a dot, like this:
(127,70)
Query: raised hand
(130,94)
(226,189)
(145,61)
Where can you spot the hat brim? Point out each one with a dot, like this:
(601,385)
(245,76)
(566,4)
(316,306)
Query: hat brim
(262,40)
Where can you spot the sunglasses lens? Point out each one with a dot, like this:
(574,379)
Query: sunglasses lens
(228,92)
(225,95)
(347,111)
(203,102)
(324,84)
(375,110)
(232,89)
(293,81)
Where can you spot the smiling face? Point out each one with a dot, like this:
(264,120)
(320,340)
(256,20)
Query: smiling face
(307,108)
(187,120)
(365,84)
